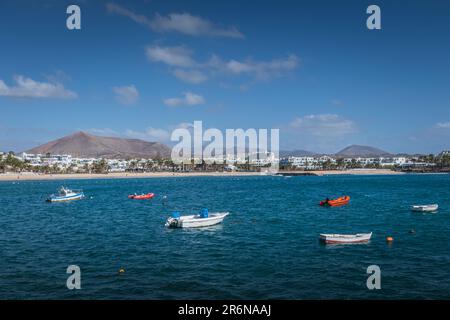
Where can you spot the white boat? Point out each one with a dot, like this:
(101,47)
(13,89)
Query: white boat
(346,238)
(425,208)
(66,194)
(204,219)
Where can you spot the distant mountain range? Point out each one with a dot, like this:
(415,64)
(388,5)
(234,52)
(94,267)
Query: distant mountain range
(297,153)
(348,152)
(84,145)
(362,151)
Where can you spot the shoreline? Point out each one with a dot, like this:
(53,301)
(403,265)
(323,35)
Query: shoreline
(123,175)
(363,172)
(115,175)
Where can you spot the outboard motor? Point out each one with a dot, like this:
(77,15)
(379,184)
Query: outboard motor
(204,213)
(173,222)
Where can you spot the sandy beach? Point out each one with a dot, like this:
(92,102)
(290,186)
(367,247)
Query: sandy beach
(34,176)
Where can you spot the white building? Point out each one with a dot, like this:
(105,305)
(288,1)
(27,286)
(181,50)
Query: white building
(309,163)
(399,160)
(324,159)
(117,165)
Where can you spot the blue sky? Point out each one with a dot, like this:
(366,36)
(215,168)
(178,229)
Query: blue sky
(312,69)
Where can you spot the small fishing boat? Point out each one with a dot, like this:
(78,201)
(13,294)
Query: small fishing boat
(335,202)
(345,238)
(425,208)
(66,194)
(141,196)
(203,219)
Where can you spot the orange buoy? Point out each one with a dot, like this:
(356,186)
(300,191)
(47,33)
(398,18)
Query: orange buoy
(389,239)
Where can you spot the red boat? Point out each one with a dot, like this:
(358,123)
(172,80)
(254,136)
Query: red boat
(141,196)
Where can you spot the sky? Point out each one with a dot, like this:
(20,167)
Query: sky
(140,69)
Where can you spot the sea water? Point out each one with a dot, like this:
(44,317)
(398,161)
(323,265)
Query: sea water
(267,248)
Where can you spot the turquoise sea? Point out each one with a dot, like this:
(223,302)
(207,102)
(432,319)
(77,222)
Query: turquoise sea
(267,248)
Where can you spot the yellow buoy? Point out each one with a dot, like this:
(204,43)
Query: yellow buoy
(121,270)
(389,239)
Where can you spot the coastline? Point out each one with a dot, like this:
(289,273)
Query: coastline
(123,175)
(365,172)
(116,175)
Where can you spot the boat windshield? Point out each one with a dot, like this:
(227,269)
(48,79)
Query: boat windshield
(64,191)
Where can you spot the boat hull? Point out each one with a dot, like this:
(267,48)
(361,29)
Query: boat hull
(194,221)
(141,197)
(336,202)
(77,196)
(425,208)
(345,239)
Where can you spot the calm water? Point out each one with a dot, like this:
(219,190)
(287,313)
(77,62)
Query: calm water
(267,248)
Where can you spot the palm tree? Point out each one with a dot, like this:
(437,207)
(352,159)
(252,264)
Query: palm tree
(13,162)
(86,168)
(327,164)
(2,166)
(446,160)
(100,166)
(70,168)
(45,168)
(55,168)
(133,165)
(340,163)
(148,165)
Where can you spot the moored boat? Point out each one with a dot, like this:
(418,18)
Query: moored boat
(345,238)
(335,202)
(203,219)
(425,208)
(66,194)
(141,196)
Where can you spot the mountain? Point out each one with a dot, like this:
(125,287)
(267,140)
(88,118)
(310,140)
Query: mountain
(297,153)
(361,151)
(81,144)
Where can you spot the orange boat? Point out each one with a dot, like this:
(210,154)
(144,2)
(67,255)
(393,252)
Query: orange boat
(336,202)
(141,196)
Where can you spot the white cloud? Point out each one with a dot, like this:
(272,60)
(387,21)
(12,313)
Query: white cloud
(188,99)
(29,88)
(157,134)
(336,102)
(263,70)
(183,125)
(106,132)
(190,76)
(141,19)
(183,23)
(443,125)
(59,76)
(172,56)
(126,95)
(323,125)
(319,132)
(237,67)
(192,71)
(192,25)
(150,134)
